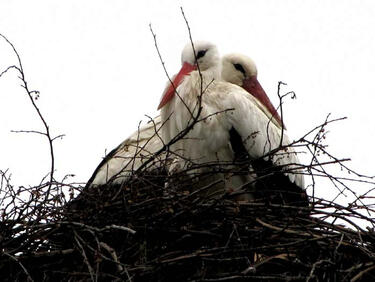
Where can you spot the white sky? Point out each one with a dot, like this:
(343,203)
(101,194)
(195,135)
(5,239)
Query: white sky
(96,67)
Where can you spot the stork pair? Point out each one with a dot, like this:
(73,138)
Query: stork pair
(230,119)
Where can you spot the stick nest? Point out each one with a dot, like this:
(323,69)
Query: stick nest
(143,231)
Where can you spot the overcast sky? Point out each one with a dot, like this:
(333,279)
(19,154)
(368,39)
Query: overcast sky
(96,67)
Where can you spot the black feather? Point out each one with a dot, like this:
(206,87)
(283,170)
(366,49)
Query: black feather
(272,185)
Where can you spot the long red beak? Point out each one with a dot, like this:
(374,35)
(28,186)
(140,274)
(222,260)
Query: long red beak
(169,94)
(252,86)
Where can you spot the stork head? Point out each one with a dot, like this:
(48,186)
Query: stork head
(237,68)
(206,56)
(242,71)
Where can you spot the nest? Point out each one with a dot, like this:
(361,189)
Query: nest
(143,231)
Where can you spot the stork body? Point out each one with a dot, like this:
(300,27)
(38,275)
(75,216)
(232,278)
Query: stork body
(227,112)
(253,125)
(122,161)
(127,157)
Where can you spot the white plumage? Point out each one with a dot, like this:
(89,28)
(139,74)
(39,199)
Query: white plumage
(122,161)
(209,140)
(225,108)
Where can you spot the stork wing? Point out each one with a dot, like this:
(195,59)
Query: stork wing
(118,165)
(260,136)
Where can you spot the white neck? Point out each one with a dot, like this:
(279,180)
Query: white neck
(177,114)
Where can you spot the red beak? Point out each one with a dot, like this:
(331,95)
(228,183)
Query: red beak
(252,86)
(169,94)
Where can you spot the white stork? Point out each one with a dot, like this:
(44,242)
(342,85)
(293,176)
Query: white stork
(242,71)
(144,142)
(140,146)
(231,121)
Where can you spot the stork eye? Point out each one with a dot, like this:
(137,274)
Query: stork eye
(240,68)
(201,53)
